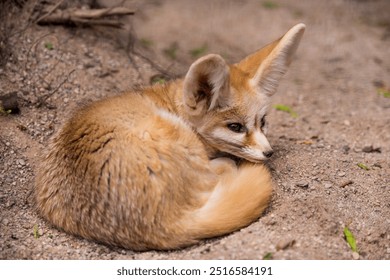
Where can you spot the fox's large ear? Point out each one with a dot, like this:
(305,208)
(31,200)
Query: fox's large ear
(267,66)
(206,84)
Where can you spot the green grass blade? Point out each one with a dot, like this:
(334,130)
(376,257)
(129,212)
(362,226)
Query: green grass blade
(35,231)
(285,108)
(350,239)
(268,256)
(384,92)
(363,166)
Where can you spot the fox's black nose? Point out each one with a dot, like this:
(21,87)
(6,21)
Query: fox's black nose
(268,154)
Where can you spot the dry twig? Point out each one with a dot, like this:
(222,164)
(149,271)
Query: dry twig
(89,17)
(42,99)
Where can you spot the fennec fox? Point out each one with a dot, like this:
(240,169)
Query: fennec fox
(144,170)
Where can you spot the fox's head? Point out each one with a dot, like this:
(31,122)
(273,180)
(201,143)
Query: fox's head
(228,104)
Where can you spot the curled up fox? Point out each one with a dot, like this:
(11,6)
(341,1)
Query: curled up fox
(157,168)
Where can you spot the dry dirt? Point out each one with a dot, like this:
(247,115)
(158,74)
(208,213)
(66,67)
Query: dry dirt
(333,85)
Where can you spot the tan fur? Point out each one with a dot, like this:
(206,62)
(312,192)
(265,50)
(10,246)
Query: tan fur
(216,215)
(138,170)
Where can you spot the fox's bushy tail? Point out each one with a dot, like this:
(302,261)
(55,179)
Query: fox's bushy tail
(238,199)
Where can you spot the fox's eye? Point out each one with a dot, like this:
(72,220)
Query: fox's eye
(262,122)
(236,127)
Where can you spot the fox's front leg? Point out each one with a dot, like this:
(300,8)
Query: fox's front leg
(223,165)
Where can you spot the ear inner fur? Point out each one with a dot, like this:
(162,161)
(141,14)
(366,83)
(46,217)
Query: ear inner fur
(206,84)
(268,65)
(251,63)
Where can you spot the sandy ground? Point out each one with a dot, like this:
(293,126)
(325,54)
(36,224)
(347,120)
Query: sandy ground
(336,86)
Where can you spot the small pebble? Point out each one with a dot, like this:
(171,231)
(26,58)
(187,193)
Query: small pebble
(345,149)
(345,183)
(378,83)
(206,250)
(341,174)
(271,222)
(371,149)
(302,184)
(355,255)
(10,203)
(373,239)
(285,244)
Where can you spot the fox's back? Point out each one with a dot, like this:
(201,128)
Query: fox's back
(128,162)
